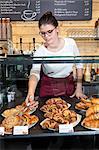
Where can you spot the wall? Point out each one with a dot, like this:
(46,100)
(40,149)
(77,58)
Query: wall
(29,30)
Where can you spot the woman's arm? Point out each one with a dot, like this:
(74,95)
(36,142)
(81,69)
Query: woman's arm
(32,84)
(79,90)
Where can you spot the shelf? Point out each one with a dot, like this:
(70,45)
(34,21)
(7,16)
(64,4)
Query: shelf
(25,79)
(84,38)
(91,83)
(88,39)
(14,79)
(82,33)
(3,40)
(22,60)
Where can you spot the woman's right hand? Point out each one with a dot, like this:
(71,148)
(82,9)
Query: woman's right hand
(30,102)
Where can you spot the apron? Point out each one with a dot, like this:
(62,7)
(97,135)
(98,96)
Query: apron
(56,86)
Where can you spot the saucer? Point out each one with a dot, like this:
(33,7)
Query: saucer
(31,18)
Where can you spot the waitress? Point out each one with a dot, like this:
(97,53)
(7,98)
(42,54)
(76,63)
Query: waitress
(56,79)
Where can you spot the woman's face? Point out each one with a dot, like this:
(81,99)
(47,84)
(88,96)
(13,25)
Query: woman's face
(49,33)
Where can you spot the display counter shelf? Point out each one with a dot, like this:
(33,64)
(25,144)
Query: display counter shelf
(37,130)
(28,59)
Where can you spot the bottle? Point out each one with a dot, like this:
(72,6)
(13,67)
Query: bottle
(8,28)
(21,51)
(84,69)
(0,29)
(98,69)
(34,45)
(5,100)
(95,66)
(87,75)
(93,73)
(4,34)
(97,73)
(98,29)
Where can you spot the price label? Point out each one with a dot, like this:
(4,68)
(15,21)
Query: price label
(1,130)
(20,130)
(65,128)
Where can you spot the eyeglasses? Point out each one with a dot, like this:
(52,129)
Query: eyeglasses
(49,32)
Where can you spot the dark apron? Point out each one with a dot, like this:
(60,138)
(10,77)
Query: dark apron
(56,86)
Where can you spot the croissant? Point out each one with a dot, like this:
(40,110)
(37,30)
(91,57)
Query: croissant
(94,116)
(95,100)
(91,123)
(91,110)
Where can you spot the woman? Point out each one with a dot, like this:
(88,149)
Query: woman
(56,79)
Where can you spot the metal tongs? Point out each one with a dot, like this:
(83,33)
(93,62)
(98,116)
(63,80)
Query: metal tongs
(26,107)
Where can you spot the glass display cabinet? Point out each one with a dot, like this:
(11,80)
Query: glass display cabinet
(17,67)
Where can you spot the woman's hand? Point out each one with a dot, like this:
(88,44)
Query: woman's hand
(79,94)
(30,102)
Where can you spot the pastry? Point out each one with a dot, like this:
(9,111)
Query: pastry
(11,121)
(10,112)
(91,124)
(95,100)
(85,100)
(91,110)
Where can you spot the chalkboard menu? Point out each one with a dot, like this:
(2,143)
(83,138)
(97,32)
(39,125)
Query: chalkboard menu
(33,9)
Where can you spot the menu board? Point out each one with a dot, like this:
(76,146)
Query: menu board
(27,10)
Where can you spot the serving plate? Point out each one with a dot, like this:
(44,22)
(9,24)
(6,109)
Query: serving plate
(32,122)
(30,112)
(95,96)
(73,124)
(29,126)
(53,129)
(96,129)
(82,106)
(68,106)
(84,110)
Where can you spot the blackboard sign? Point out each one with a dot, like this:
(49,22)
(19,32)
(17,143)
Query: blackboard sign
(33,9)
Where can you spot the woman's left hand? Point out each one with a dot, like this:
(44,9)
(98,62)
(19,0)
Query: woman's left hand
(79,94)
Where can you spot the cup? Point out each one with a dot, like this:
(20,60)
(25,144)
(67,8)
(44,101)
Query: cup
(12,96)
(29,14)
(1,98)
(9,98)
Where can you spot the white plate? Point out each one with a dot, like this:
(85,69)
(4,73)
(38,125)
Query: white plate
(69,105)
(47,128)
(7,132)
(74,123)
(96,129)
(77,121)
(3,115)
(30,126)
(84,110)
(32,111)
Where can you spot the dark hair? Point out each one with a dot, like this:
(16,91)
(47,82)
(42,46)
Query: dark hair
(48,18)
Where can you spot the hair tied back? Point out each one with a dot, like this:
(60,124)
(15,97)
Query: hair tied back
(49,13)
